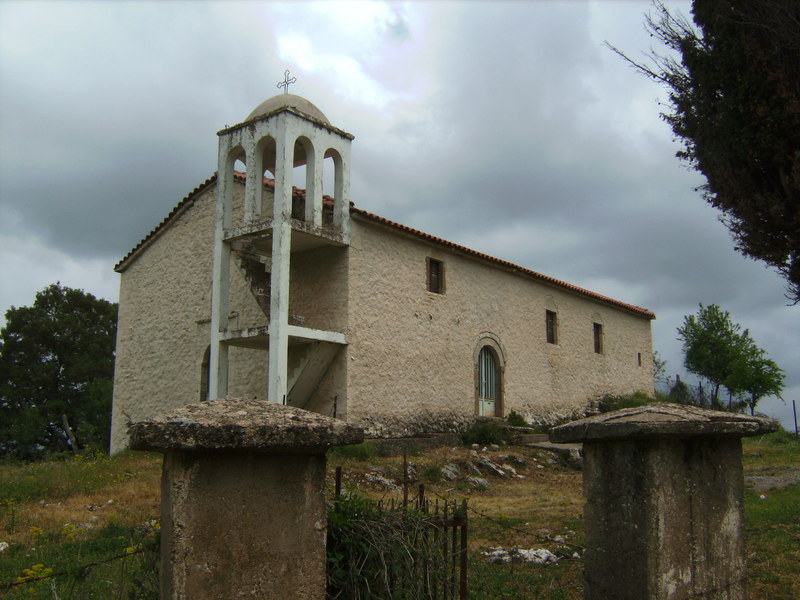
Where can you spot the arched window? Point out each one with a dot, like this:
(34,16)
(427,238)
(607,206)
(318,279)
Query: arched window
(489,367)
(263,168)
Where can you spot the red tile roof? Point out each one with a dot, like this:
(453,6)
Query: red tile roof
(499,262)
(187,202)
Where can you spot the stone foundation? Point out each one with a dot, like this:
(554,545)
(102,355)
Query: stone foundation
(393,426)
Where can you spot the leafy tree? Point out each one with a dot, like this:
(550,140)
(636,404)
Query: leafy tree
(659,369)
(716,349)
(56,373)
(735,106)
(754,376)
(711,343)
(681,393)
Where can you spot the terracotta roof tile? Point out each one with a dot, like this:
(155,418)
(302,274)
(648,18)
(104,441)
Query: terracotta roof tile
(187,202)
(503,263)
(184,204)
(179,209)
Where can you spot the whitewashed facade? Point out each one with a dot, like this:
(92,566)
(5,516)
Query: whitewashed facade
(379,324)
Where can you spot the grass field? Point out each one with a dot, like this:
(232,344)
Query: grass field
(60,515)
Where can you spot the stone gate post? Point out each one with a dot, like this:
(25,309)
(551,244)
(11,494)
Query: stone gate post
(243,511)
(664,502)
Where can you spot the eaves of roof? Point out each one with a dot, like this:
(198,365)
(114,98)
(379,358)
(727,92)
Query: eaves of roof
(187,202)
(173,215)
(182,207)
(501,263)
(292,110)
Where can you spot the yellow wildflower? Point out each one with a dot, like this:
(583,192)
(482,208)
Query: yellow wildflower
(68,531)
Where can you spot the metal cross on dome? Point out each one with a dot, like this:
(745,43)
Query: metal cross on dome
(286,81)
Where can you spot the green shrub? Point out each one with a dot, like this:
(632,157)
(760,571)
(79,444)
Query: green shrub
(610,402)
(432,474)
(516,420)
(485,432)
(781,441)
(362,451)
(377,553)
(782,438)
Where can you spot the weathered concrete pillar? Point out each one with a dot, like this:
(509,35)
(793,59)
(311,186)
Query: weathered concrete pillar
(664,502)
(243,511)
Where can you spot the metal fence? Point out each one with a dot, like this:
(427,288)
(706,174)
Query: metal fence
(397,549)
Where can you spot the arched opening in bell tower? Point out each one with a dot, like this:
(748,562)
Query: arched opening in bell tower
(235,163)
(303,179)
(265,168)
(333,185)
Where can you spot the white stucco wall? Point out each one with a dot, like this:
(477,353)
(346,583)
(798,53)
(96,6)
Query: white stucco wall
(163,328)
(318,287)
(318,298)
(409,364)
(411,354)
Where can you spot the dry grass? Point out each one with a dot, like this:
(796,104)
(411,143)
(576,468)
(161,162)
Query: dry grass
(124,490)
(547,501)
(517,511)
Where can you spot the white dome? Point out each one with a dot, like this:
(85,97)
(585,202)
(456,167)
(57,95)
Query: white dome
(298,102)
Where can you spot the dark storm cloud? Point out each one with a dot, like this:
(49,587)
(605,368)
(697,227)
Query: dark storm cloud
(502,126)
(110,119)
(513,146)
(523,150)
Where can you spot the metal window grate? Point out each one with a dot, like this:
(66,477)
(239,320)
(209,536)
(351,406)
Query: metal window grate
(550,326)
(598,338)
(434,276)
(487,374)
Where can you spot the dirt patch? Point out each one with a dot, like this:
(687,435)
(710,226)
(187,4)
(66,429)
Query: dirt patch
(775,480)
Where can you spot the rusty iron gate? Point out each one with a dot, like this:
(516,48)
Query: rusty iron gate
(433,562)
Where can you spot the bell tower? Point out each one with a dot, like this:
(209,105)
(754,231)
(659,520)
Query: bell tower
(283,132)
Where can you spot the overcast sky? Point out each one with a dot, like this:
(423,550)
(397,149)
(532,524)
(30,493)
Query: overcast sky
(506,127)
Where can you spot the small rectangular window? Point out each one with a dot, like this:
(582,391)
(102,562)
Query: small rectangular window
(551,327)
(598,338)
(435,276)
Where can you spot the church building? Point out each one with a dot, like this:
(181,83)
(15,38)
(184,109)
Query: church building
(252,287)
